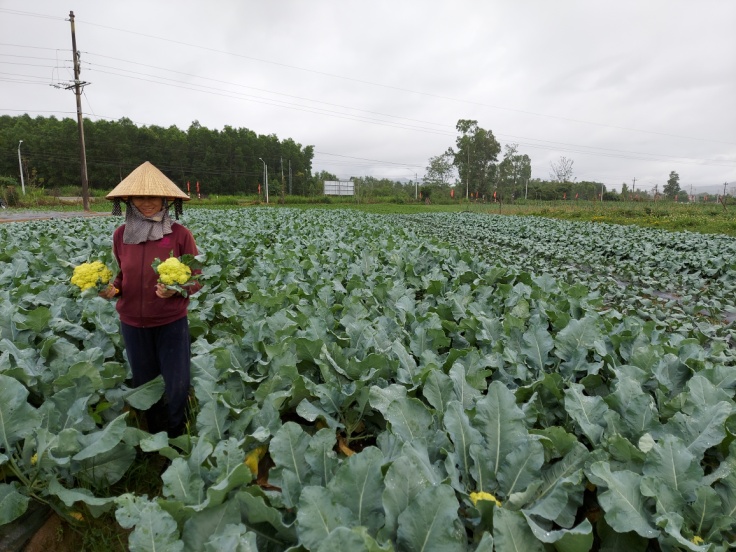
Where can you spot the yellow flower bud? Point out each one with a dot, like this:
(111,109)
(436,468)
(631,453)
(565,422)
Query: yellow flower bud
(475,497)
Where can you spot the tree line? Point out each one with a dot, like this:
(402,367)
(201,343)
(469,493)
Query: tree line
(231,162)
(476,169)
(228,161)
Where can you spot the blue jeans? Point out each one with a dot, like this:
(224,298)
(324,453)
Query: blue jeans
(162,350)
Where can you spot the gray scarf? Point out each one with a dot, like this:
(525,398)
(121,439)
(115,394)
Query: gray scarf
(139,229)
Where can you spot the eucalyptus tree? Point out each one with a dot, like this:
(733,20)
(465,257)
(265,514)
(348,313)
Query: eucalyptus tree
(562,169)
(440,170)
(476,157)
(672,188)
(514,170)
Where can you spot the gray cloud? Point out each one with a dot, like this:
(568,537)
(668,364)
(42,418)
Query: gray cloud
(627,89)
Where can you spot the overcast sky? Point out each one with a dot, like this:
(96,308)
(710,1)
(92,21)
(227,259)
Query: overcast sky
(627,89)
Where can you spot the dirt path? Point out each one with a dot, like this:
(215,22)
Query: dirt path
(13,215)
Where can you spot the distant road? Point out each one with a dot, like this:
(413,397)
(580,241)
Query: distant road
(14,215)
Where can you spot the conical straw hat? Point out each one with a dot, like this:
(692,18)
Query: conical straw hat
(147,180)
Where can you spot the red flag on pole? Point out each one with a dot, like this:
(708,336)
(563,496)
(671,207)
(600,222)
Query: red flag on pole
(452,192)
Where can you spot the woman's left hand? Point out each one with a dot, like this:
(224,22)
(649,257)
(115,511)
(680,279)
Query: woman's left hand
(163,292)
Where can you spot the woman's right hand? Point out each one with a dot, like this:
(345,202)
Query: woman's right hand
(109,292)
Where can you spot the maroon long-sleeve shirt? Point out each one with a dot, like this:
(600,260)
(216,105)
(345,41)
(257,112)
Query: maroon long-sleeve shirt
(137,302)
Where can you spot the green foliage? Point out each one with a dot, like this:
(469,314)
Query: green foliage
(225,161)
(10,196)
(387,375)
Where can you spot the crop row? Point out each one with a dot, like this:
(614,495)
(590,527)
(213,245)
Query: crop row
(361,385)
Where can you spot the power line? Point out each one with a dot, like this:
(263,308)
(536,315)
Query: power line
(31,14)
(371,83)
(397,88)
(540,144)
(554,146)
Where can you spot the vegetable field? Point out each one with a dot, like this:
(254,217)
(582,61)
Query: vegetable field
(441,382)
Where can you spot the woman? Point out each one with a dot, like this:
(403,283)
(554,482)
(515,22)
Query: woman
(153,318)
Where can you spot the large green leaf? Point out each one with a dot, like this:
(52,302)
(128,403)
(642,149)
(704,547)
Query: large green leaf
(146,395)
(154,530)
(635,406)
(726,489)
(213,420)
(358,485)
(182,483)
(558,497)
(511,533)
(622,501)
(35,320)
(405,478)
(463,435)
(501,422)
(233,538)
(521,467)
(287,449)
(102,441)
(703,429)
(587,412)
(438,390)
(577,539)
(239,476)
(70,496)
(109,467)
(536,346)
(672,526)
(465,393)
(613,541)
(18,419)
(409,418)
(701,393)
(265,519)
(208,523)
(578,335)
(319,513)
(354,539)
(705,514)
(672,474)
(12,503)
(321,457)
(431,522)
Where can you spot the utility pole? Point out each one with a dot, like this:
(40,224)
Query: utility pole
(467,174)
(20,166)
(283,184)
(633,186)
(290,177)
(78,86)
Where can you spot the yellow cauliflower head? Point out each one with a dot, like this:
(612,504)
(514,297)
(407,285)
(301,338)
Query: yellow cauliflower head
(89,275)
(173,271)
